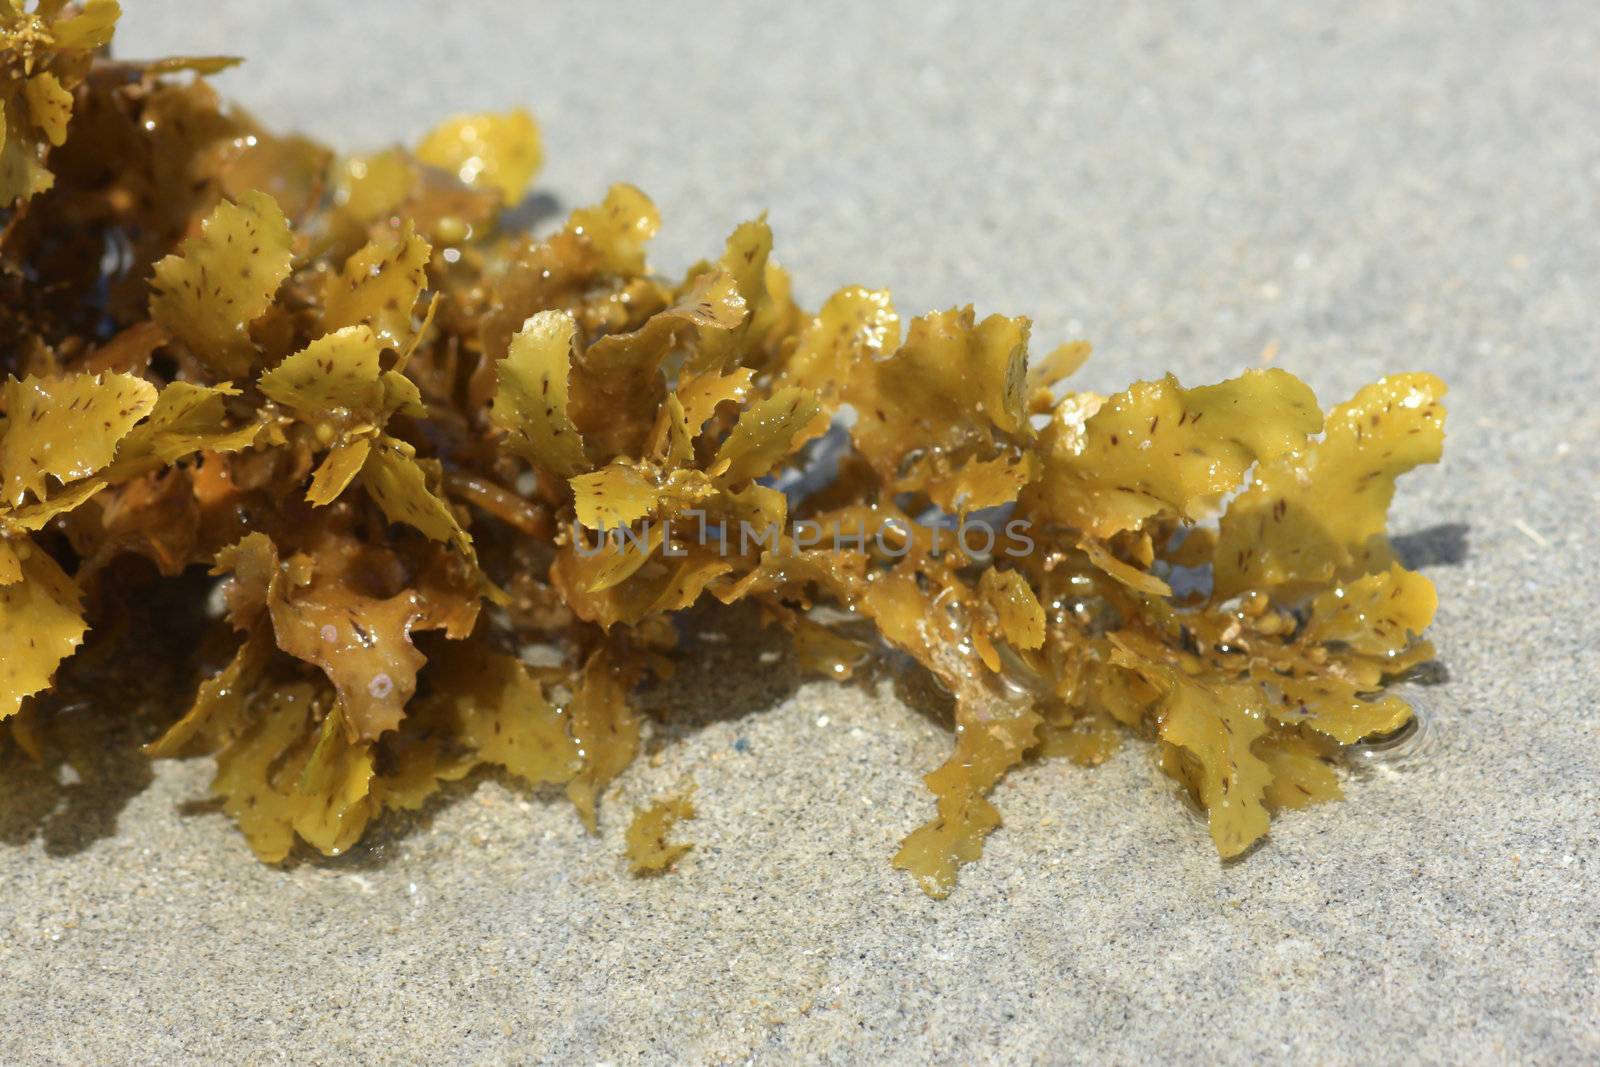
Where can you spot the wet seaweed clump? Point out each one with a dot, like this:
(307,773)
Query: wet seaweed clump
(361,441)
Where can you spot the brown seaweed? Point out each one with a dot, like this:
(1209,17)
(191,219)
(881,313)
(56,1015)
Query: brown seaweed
(410,444)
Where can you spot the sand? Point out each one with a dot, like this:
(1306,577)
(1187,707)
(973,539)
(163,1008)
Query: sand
(1345,190)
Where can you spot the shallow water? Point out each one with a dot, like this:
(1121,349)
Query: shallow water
(1414,745)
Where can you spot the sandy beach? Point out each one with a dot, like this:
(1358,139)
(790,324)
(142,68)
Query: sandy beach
(1344,191)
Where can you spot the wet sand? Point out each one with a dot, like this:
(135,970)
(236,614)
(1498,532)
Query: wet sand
(1345,191)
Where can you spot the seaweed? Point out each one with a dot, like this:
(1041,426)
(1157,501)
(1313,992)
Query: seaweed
(406,445)
(649,852)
